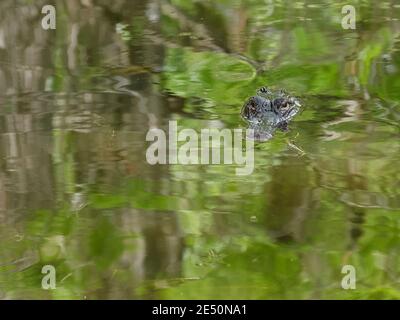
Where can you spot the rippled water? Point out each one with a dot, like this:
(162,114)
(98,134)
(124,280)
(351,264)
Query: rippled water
(77,193)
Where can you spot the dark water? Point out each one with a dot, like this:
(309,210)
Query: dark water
(77,193)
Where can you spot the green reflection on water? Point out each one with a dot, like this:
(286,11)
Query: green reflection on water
(76,191)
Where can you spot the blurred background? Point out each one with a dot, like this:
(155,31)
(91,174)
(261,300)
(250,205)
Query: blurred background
(77,193)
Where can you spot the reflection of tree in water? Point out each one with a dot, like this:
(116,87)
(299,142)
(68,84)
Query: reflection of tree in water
(290,199)
(72,126)
(356,181)
(97,138)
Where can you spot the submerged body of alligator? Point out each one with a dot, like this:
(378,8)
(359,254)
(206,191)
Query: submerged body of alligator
(269,111)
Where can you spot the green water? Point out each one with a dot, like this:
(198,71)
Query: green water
(77,193)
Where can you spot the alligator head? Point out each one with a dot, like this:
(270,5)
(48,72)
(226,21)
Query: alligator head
(268,111)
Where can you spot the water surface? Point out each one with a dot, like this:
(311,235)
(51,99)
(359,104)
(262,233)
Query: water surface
(77,193)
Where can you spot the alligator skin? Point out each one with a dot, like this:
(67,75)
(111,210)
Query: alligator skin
(269,111)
